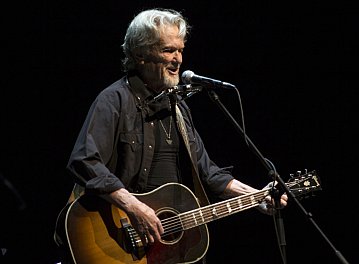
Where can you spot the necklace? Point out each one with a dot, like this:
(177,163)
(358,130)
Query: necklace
(168,134)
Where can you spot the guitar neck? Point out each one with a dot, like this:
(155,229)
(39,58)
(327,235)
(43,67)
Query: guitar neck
(219,210)
(299,186)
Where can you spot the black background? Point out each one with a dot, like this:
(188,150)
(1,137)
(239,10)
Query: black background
(294,64)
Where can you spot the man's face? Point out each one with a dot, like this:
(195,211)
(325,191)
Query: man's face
(160,67)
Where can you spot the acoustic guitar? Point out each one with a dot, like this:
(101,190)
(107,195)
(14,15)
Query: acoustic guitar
(99,232)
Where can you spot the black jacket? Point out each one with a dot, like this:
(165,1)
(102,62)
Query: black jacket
(115,146)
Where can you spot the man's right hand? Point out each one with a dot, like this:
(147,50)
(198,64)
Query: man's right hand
(143,218)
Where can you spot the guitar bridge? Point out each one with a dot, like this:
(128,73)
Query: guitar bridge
(130,241)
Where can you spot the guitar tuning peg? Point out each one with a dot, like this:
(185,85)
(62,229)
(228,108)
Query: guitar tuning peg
(305,171)
(299,173)
(291,175)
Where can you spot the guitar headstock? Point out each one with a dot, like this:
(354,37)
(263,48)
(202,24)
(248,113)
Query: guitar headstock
(303,185)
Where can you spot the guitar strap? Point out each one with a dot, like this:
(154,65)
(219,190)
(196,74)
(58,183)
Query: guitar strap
(198,187)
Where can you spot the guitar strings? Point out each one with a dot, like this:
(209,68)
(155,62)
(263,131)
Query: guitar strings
(208,213)
(203,215)
(188,219)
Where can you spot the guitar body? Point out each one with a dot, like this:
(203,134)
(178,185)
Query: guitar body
(94,230)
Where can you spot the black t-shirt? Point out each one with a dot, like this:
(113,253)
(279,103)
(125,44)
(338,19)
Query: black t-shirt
(164,166)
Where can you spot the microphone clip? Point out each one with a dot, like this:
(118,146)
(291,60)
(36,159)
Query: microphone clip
(185,90)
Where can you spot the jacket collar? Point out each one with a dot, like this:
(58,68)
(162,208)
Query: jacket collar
(144,95)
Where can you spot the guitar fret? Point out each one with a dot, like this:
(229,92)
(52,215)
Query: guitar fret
(239,201)
(253,200)
(194,218)
(201,215)
(186,222)
(214,212)
(180,221)
(229,207)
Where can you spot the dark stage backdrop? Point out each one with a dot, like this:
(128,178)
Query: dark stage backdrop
(294,64)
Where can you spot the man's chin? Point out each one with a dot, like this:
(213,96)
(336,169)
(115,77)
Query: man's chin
(171,82)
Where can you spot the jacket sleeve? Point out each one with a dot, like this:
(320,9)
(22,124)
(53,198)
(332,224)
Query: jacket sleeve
(94,147)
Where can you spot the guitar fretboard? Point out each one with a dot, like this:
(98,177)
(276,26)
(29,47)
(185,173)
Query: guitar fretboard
(210,213)
(203,215)
(206,214)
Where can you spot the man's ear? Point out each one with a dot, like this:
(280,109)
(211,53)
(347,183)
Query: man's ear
(140,58)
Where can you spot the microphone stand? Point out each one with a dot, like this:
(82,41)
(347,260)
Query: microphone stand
(275,176)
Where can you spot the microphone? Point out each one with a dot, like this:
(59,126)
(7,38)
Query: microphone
(189,77)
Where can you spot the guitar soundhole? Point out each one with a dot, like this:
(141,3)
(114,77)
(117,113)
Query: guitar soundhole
(171,223)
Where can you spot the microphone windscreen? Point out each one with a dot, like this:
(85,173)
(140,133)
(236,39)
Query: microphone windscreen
(187,76)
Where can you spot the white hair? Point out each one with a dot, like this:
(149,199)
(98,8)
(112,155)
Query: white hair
(145,30)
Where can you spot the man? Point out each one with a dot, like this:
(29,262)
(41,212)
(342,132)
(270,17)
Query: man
(131,144)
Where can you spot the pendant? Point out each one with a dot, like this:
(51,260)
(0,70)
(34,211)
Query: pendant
(169,141)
